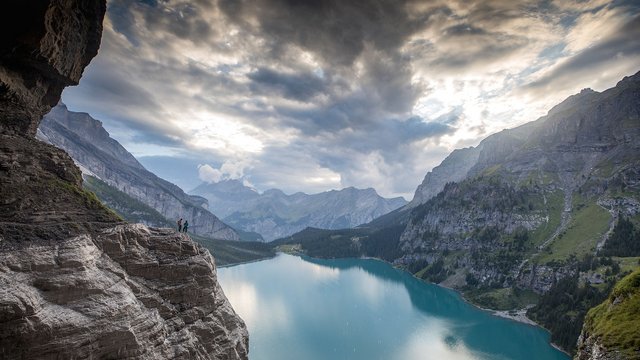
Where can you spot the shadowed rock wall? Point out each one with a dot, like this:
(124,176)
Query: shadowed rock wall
(76,282)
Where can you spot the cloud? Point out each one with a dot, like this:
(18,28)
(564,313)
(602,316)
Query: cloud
(337,32)
(314,95)
(229,170)
(209,174)
(618,53)
(300,87)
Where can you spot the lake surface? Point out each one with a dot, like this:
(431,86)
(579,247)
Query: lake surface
(305,309)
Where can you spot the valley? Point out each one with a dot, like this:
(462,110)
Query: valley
(285,139)
(510,233)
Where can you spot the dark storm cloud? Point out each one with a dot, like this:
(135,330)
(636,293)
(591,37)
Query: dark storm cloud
(463,30)
(335,30)
(293,86)
(182,19)
(387,137)
(117,88)
(338,33)
(465,45)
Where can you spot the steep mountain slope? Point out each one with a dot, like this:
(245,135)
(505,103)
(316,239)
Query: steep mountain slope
(495,149)
(539,193)
(91,147)
(75,282)
(274,214)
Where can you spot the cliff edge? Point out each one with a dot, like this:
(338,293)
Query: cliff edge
(75,281)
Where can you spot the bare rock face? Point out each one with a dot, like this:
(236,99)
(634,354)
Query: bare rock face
(454,168)
(44,47)
(130,291)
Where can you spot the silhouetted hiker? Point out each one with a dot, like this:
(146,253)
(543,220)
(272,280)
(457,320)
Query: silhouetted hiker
(180,225)
(186,226)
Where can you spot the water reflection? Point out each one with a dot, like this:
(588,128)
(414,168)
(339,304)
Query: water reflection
(436,342)
(303,308)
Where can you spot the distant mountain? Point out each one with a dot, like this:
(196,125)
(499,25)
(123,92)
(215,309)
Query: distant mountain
(121,181)
(275,214)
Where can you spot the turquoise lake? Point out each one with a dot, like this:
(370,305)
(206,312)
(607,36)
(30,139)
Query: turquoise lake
(304,309)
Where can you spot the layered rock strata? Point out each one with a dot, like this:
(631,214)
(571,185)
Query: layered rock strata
(128,292)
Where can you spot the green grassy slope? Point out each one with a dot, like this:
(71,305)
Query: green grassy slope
(616,321)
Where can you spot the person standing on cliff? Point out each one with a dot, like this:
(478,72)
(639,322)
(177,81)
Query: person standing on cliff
(180,225)
(186,226)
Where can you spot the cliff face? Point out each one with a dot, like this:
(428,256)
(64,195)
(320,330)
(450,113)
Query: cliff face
(91,147)
(129,291)
(611,330)
(47,51)
(274,214)
(75,282)
(534,195)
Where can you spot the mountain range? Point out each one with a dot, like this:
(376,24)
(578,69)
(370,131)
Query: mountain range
(274,214)
(123,184)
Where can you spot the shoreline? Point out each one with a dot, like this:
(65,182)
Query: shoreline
(520,316)
(244,262)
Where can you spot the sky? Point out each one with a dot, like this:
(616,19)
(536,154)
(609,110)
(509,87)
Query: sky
(318,95)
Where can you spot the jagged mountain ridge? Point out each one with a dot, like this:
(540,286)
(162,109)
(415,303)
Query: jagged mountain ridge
(91,147)
(462,163)
(274,214)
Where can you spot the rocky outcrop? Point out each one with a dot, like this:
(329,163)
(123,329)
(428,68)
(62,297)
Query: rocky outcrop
(91,147)
(127,292)
(75,282)
(44,47)
(611,329)
(274,214)
(453,168)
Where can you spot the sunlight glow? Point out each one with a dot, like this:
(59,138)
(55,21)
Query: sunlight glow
(215,131)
